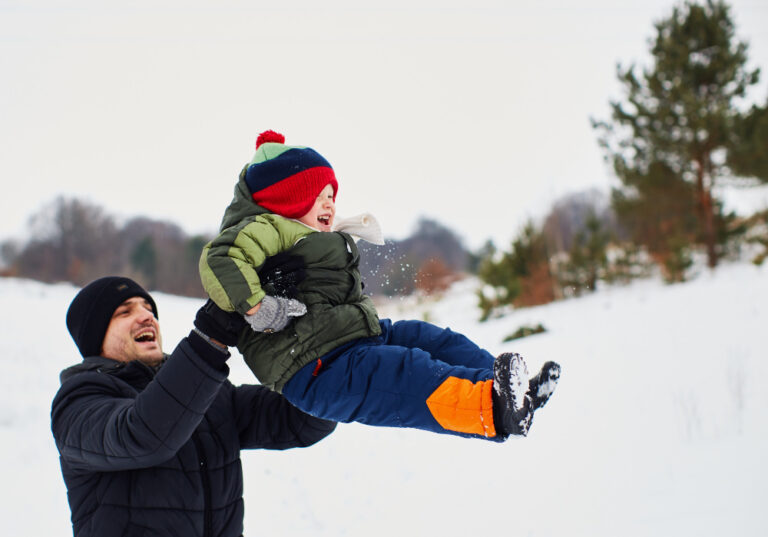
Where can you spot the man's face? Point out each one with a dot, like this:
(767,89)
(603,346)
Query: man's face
(133,334)
(320,216)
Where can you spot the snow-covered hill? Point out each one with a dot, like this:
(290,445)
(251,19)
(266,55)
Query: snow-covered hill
(659,425)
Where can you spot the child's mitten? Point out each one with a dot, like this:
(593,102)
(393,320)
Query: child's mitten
(275,313)
(281,274)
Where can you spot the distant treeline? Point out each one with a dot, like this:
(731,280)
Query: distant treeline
(77,241)
(579,243)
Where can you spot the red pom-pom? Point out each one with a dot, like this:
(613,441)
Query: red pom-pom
(270,136)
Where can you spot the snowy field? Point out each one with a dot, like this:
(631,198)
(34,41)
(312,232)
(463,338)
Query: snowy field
(659,425)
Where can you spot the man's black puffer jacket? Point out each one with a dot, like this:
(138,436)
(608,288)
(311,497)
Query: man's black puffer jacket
(158,453)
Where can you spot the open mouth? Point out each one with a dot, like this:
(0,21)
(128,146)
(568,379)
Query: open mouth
(145,336)
(324,219)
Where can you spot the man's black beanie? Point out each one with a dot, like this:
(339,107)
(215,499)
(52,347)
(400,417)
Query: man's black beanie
(91,310)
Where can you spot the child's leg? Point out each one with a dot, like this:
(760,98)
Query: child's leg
(395,386)
(441,343)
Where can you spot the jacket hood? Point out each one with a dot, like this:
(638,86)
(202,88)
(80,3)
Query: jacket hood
(242,204)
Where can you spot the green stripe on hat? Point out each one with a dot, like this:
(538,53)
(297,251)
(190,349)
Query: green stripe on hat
(268,151)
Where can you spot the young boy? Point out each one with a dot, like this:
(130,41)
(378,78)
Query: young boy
(326,349)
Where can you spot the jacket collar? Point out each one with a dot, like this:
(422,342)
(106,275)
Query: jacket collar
(107,365)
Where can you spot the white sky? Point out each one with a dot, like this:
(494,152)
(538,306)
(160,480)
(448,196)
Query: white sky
(472,113)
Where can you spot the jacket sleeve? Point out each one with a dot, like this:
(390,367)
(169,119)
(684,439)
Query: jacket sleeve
(266,420)
(101,423)
(229,264)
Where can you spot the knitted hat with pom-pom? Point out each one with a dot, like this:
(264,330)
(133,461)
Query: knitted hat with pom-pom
(286,180)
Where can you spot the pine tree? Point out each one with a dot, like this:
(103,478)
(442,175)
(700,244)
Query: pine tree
(587,259)
(749,156)
(678,123)
(661,215)
(501,284)
(520,277)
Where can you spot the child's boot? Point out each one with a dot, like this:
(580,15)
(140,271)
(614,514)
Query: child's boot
(512,406)
(541,386)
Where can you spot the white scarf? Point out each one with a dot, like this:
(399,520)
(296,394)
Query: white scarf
(363,226)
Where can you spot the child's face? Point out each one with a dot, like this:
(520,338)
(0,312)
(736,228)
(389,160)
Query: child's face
(320,216)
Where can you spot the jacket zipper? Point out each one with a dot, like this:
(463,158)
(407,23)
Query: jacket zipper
(207,513)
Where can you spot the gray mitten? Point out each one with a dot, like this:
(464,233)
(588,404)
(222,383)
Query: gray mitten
(275,313)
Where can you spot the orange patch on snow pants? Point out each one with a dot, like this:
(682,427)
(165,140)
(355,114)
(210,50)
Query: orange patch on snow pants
(464,406)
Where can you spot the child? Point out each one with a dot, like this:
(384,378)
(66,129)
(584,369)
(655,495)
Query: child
(325,349)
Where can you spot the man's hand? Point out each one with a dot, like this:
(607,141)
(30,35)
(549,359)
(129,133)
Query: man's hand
(219,325)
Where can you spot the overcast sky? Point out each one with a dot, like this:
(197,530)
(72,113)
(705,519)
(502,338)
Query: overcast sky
(474,113)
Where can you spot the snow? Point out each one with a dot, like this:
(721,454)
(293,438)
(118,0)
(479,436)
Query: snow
(658,426)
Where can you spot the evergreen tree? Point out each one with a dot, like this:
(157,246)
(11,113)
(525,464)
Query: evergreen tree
(679,120)
(520,277)
(757,236)
(501,285)
(749,156)
(661,216)
(587,259)
(144,260)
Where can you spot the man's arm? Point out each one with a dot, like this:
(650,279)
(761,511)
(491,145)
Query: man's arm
(101,423)
(265,419)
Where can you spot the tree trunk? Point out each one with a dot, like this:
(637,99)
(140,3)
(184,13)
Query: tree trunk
(706,215)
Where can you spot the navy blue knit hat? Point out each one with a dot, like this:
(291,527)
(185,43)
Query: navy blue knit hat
(91,310)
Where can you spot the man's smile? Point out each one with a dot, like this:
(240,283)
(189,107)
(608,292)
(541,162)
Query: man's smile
(145,335)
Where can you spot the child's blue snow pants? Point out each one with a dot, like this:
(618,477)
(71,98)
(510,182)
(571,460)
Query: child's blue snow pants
(413,375)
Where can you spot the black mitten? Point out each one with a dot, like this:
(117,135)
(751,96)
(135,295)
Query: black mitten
(218,324)
(281,274)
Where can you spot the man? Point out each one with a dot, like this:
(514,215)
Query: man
(150,444)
